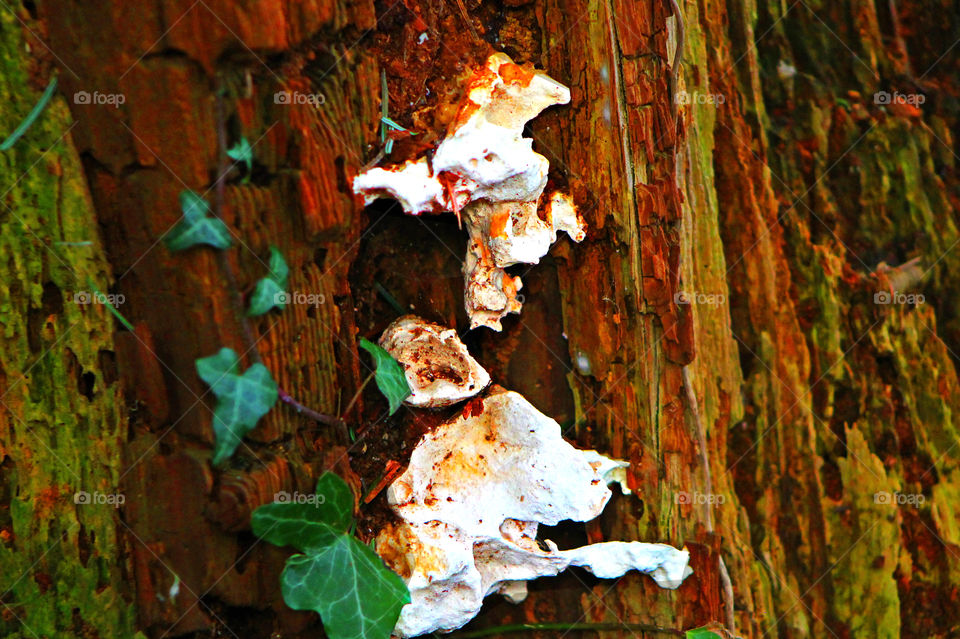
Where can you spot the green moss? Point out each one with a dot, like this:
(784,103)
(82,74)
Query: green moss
(62,561)
(864,555)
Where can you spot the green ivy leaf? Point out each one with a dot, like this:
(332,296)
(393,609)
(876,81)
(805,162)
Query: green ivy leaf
(292,525)
(196,226)
(242,152)
(266,294)
(242,399)
(279,271)
(389,375)
(337,497)
(309,526)
(270,291)
(339,577)
(355,594)
(701,633)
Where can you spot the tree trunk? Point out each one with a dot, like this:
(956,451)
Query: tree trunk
(64,549)
(745,229)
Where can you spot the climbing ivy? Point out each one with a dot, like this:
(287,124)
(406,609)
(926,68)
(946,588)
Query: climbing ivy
(197,227)
(270,291)
(335,575)
(242,398)
(390,377)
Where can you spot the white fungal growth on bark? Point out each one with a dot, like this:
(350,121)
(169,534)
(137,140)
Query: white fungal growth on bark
(487,170)
(470,504)
(437,365)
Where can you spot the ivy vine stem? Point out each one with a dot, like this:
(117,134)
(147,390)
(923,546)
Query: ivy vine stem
(233,288)
(236,298)
(329,420)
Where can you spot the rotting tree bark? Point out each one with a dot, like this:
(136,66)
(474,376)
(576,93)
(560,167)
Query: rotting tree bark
(63,558)
(781,200)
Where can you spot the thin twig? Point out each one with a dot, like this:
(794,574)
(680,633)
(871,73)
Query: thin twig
(677,56)
(356,395)
(375,161)
(466,18)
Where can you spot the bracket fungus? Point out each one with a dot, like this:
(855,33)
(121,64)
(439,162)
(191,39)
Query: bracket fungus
(439,369)
(487,170)
(470,503)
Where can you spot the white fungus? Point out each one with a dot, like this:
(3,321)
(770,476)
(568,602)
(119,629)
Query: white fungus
(470,503)
(485,169)
(437,365)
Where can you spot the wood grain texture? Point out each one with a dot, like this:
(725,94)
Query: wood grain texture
(778,202)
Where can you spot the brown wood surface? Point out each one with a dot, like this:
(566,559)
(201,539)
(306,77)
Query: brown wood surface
(776,200)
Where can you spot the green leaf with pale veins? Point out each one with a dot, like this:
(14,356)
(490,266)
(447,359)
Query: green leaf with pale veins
(292,525)
(279,271)
(701,633)
(337,498)
(270,291)
(339,577)
(309,526)
(242,398)
(266,294)
(356,595)
(196,226)
(389,375)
